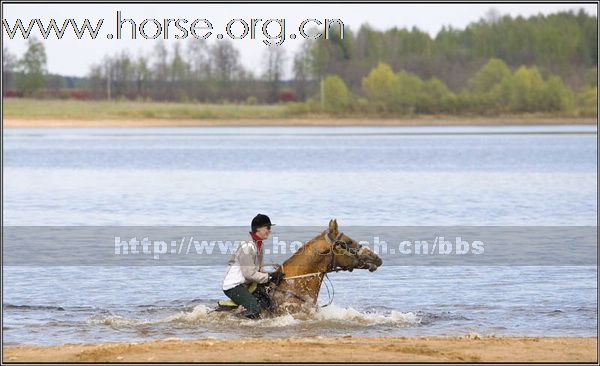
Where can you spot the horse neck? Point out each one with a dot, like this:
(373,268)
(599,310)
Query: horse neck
(306,261)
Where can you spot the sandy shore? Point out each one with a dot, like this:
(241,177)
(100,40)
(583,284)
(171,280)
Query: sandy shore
(421,121)
(315,349)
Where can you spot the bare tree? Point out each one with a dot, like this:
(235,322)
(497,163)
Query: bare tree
(160,69)
(273,72)
(492,16)
(9,62)
(122,74)
(302,70)
(226,65)
(97,80)
(200,73)
(225,61)
(198,58)
(179,68)
(143,75)
(179,74)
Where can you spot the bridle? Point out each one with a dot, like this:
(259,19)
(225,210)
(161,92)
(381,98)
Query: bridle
(332,266)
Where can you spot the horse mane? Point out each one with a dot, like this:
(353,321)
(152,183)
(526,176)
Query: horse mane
(301,250)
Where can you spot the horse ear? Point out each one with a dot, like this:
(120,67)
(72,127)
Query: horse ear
(333,227)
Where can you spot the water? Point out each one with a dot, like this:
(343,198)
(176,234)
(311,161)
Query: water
(531,175)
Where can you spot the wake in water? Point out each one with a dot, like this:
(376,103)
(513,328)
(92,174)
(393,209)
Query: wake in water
(331,316)
(49,324)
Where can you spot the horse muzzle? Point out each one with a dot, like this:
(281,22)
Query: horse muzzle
(368,260)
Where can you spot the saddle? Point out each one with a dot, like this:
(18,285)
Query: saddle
(258,291)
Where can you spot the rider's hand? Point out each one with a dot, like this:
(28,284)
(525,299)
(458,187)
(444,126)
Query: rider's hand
(276,277)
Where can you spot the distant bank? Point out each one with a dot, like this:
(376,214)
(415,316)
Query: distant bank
(429,121)
(28,113)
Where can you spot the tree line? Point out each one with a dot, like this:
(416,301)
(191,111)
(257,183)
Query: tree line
(494,89)
(564,44)
(195,71)
(498,64)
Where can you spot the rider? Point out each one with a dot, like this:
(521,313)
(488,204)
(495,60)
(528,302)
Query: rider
(245,267)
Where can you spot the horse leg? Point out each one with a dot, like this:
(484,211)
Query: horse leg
(263,298)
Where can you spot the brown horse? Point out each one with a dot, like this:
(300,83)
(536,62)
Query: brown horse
(330,251)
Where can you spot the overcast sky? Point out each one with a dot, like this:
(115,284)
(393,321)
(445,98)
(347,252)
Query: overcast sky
(71,56)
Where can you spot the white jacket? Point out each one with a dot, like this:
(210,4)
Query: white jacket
(244,266)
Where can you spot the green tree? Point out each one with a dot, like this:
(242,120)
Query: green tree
(408,89)
(435,97)
(380,85)
(32,67)
(336,94)
(588,101)
(526,90)
(557,96)
(488,76)
(498,99)
(591,76)
(490,88)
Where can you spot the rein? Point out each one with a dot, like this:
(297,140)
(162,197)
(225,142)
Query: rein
(302,276)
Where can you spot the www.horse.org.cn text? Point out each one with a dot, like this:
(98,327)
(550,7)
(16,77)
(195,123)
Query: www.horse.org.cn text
(271,31)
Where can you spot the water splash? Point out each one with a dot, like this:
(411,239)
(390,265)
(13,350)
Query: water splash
(349,314)
(331,316)
(199,313)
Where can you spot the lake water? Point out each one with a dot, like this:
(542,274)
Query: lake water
(383,176)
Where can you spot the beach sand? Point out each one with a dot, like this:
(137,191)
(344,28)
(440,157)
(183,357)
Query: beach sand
(420,121)
(470,348)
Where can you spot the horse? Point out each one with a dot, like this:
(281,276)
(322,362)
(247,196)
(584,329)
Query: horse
(330,251)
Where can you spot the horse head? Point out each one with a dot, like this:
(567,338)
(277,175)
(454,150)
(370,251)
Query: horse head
(346,254)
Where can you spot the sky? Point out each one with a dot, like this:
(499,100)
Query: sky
(73,57)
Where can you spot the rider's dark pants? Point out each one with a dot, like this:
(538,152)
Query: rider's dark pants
(241,296)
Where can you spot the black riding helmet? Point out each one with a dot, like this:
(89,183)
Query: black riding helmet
(260,220)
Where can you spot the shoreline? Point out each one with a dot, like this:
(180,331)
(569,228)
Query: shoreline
(471,348)
(9,122)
